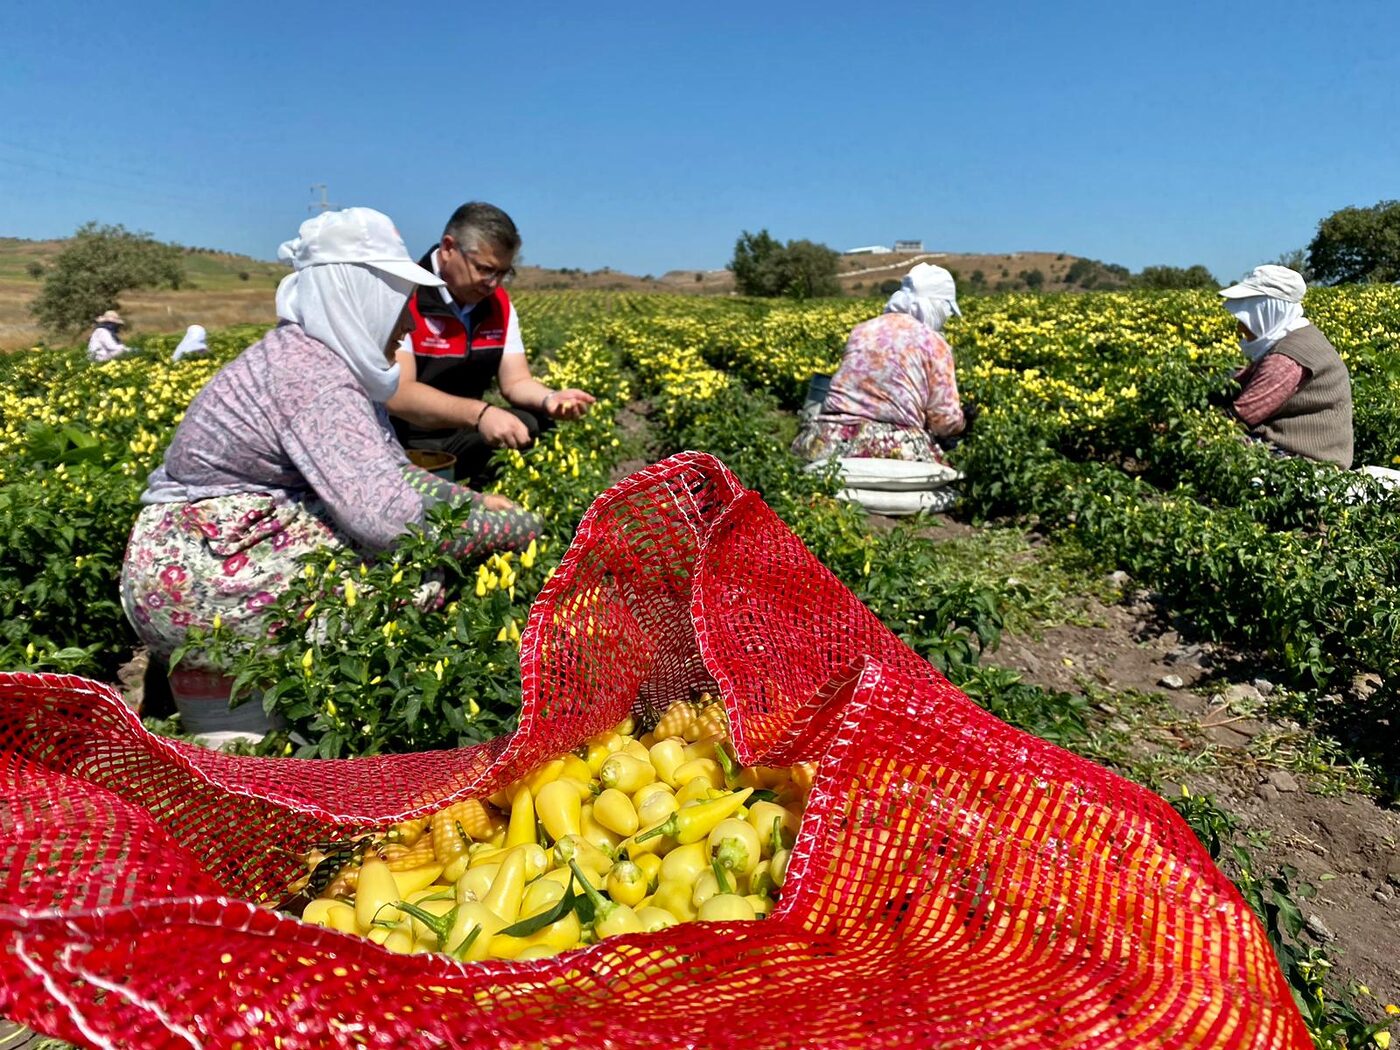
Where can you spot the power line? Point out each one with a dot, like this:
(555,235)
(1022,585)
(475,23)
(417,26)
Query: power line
(322,205)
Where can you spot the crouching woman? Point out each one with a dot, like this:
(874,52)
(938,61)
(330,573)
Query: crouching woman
(289,449)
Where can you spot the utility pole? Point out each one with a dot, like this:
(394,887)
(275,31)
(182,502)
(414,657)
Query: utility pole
(323,204)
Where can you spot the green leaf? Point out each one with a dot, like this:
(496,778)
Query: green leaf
(535,923)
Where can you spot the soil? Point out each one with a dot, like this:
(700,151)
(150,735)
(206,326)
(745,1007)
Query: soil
(1345,846)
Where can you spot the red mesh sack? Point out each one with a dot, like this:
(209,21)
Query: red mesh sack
(956,882)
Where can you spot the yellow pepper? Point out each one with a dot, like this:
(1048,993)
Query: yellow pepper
(558,936)
(761,816)
(626,772)
(542,775)
(609,917)
(653,918)
(541,895)
(589,828)
(674,897)
(706,768)
(627,883)
(558,808)
(572,847)
(426,935)
(694,790)
(522,819)
(332,914)
(650,863)
(695,822)
(594,756)
(666,756)
(655,808)
(735,846)
(726,907)
(375,894)
(685,863)
(475,883)
(415,879)
(508,889)
(615,811)
(576,769)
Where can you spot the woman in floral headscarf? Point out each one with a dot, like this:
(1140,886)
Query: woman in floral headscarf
(895,394)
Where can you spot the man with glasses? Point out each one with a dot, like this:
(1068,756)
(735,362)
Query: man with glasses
(467,335)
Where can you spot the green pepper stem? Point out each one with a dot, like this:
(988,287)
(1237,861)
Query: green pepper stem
(439,924)
(777,840)
(668,827)
(721,876)
(730,766)
(602,907)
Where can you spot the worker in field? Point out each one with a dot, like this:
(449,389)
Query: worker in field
(289,449)
(467,339)
(894,395)
(105,343)
(194,343)
(1295,393)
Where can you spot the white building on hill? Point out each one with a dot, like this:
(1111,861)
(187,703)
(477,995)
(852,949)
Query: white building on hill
(908,246)
(869,249)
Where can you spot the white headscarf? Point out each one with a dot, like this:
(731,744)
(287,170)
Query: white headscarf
(194,342)
(352,308)
(1269,318)
(927,294)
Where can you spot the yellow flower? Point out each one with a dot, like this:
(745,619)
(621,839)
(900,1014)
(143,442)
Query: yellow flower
(1382,1039)
(218,621)
(350,593)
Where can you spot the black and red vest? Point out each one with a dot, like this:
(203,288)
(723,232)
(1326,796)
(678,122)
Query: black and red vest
(456,359)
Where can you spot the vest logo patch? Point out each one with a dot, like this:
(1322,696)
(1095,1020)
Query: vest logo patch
(434,325)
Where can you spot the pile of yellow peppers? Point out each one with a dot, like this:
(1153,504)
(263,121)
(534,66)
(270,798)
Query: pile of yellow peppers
(630,833)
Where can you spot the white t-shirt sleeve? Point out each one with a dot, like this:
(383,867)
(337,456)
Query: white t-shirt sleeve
(514,344)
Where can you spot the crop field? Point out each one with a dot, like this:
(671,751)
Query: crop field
(1105,507)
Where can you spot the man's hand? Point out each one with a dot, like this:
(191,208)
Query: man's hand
(494,501)
(502,429)
(568,404)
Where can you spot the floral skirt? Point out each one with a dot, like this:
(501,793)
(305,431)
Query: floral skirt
(231,557)
(830,439)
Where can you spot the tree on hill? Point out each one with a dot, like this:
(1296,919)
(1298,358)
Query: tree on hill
(1090,273)
(95,267)
(764,266)
(1173,277)
(1358,244)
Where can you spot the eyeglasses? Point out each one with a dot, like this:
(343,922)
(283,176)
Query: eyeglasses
(488,273)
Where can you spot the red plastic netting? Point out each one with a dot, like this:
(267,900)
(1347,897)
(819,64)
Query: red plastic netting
(956,883)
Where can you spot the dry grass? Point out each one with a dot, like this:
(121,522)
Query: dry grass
(144,311)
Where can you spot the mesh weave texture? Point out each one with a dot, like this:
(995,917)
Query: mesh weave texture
(956,882)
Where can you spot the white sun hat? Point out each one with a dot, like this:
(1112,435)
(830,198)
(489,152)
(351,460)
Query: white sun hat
(1277,282)
(355,235)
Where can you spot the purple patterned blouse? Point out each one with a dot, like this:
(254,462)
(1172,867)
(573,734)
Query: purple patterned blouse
(287,415)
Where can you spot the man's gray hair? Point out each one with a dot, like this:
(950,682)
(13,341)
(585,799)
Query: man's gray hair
(477,223)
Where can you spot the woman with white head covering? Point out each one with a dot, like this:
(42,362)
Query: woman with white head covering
(288,448)
(1295,393)
(194,342)
(895,393)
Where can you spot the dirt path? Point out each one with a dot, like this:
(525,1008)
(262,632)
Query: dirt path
(1346,846)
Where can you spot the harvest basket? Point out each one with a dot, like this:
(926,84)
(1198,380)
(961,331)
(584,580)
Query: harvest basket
(956,882)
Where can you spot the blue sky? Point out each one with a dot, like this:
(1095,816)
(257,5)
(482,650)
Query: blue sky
(645,137)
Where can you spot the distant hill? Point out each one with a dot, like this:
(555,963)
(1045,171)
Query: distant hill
(205,268)
(224,288)
(221,289)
